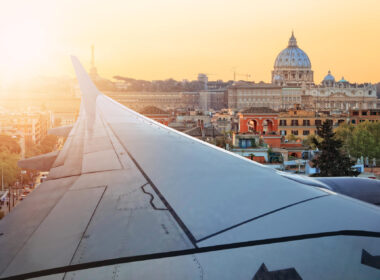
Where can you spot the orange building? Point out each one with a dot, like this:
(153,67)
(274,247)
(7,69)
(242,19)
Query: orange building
(302,123)
(358,116)
(156,114)
(258,120)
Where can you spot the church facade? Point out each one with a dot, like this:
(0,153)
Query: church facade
(292,82)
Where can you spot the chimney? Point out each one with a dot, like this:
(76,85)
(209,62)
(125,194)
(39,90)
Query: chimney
(201,126)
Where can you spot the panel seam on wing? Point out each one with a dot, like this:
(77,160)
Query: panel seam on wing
(258,217)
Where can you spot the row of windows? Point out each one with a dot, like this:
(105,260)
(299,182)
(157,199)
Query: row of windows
(295,132)
(305,122)
(360,121)
(297,123)
(365,113)
(258,99)
(294,75)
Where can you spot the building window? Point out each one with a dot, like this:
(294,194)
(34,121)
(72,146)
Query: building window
(295,132)
(355,113)
(282,122)
(306,132)
(373,113)
(364,113)
(282,132)
(294,122)
(306,123)
(318,122)
(353,122)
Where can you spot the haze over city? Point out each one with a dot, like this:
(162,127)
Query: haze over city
(189,139)
(177,39)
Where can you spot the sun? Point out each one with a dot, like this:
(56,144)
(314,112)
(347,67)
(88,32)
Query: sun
(23,45)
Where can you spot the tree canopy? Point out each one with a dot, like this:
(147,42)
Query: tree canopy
(360,140)
(9,144)
(47,145)
(331,160)
(8,162)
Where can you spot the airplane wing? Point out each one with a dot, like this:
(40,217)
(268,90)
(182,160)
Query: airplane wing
(128,197)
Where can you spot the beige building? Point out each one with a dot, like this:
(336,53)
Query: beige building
(302,123)
(212,100)
(32,127)
(342,95)
(243,95)
(163,100)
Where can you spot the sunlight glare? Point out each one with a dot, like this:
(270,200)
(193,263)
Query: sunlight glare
(23,46)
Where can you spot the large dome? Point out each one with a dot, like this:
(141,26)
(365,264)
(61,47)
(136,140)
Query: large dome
(292,57)
(293,66)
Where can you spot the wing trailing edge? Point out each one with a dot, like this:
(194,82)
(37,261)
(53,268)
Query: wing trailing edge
(62,131)
(42,162)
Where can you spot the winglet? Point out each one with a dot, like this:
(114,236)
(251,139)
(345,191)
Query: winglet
(88,90)
(86,85)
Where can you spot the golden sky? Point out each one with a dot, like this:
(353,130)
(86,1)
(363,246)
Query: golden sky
(159,39)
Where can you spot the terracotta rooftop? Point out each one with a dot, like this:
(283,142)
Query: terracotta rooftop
(210,131)
(259,110)
(153,110)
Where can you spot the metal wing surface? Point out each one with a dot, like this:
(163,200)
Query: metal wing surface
(126,193)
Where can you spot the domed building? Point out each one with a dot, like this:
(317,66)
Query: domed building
(293,84)
(328,80)
(292,66)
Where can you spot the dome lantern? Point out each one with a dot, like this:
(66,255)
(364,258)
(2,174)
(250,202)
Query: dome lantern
(292,41)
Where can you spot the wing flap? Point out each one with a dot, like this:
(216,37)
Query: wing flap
(62,131)
(42,162)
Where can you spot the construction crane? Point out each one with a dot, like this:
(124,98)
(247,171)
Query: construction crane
(247,76)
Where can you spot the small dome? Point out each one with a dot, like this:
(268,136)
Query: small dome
(329,77)
(343,80)
(292,56)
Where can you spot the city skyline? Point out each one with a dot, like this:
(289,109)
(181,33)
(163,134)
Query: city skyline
(179,39)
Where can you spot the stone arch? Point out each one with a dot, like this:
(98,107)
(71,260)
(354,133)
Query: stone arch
(268,126)
(253,125)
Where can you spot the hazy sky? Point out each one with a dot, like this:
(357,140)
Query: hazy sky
(158,39)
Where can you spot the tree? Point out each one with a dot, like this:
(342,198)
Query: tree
(9,144)
(310,141)
(47,145)
(292,138)
(331,161)
(362,139)
(8,162)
